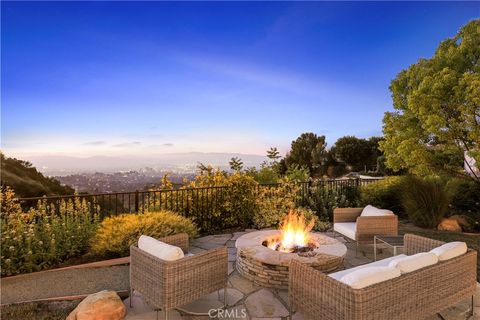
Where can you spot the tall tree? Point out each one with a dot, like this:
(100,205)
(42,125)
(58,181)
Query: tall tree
(204,169)
(236,164)
(375,148)
(358,153)
(355,152)
(273,154)
(307,151)
(437,109)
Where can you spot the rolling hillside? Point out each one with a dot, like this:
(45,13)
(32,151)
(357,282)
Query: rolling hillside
(27,181)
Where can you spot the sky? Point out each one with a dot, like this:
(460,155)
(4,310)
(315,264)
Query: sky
(123,78)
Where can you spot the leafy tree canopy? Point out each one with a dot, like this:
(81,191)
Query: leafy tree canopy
(437,109)
(307,151)
(356,152)
(236,164)
(273,154)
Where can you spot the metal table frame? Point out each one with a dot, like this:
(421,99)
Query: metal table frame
(385,239)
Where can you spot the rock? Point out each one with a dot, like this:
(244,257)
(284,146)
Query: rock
(103,305)
(263,304)
(466,223)
(448,224)
(242,284)
(237,312)
(233,296)
(204,304)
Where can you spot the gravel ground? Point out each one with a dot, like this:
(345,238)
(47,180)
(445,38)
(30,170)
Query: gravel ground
(64,283)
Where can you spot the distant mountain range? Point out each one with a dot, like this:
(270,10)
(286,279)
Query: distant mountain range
(178,162)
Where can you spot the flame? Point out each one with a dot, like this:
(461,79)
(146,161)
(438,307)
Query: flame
(294,233)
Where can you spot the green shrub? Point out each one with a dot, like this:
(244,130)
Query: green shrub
(265,175)
(385,194)
(320,225)
(274,202)
(323,201)
(215,200)
(298,173)
(465,196)
(425,201)
(240,202)
(43,236)
(116,234)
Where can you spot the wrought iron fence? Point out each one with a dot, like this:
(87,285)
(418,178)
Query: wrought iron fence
(201,201)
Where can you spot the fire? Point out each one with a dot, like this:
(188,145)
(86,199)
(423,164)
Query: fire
(295,233)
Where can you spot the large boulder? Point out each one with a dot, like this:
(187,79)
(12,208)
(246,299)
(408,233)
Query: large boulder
(103,305)
(466,223)
(448,224)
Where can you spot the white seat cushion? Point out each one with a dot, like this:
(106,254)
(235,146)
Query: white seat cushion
(450,250)
(380,263)
(371,211)
(368,276)
(160,249)
(348,229)
(414,262)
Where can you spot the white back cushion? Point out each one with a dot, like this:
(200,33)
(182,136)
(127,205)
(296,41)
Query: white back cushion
(159,249)
(379,263)
(414,262)
(370,211)
(450,250)
(368,276)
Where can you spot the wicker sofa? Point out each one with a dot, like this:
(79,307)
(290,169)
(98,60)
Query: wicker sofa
(166,285)
(349,223)
(414,295)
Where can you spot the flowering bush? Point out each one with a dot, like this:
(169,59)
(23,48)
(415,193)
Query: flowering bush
(116,234)
(240,201)
(45,235)
(274,202)
(214,200)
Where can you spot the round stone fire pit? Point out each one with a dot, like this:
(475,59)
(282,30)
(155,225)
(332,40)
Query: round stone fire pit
(269,268)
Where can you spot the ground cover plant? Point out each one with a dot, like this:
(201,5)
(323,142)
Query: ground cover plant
(57,310)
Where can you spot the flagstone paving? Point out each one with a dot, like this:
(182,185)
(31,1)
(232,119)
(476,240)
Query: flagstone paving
(246,300)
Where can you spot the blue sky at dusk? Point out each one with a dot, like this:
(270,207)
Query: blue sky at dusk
(104,78)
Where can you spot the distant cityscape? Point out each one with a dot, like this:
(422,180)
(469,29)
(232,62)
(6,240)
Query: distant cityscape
(129,173)
(123,181)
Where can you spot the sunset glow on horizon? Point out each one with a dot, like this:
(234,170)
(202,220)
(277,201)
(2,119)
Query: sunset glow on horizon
(120,78)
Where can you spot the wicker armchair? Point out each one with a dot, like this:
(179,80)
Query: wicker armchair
(414,295)
(166,285)
(365,228)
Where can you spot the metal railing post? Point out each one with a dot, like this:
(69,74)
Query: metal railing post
(136,201)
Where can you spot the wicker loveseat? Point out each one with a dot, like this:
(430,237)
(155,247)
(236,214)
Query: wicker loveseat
(166,285)
(350,223)
(414,295)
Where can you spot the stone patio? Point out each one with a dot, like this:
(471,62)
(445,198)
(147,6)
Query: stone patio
(246,300)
